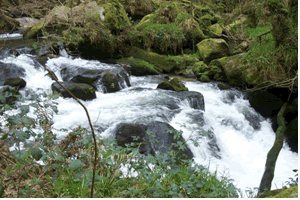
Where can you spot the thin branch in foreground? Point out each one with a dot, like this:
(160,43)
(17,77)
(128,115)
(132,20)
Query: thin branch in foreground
(92,128)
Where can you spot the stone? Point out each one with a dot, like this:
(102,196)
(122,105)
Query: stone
(80,90)
(154,137)
(15,82)
(140,67)
(174,85)
(210,49)
(10,71)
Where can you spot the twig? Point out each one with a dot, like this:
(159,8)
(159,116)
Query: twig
(90,123)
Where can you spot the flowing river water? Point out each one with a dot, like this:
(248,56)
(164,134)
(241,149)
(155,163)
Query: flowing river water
(239,137)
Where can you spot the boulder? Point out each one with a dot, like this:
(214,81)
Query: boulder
(140,67)
(210,49)
(232,67)
(10,71)
(215,31)
(110,83)
(112,79)
(80,90)
(15,82)
(154,137)
(174,85)
(27,22)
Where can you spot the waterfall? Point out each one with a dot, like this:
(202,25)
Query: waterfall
(238,138)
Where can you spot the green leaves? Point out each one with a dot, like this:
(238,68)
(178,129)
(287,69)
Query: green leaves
(75,164)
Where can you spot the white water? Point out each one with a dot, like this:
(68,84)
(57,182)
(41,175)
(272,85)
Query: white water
(243,149)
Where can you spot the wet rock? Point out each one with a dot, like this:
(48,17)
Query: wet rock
(156,137)
(174,85)
(80,90)
(15,82)
(9,71)
(112,79)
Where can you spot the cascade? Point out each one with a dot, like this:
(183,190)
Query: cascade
(238,138)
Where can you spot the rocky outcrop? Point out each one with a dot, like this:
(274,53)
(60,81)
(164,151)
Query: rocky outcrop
(210,49)
(80,90)
(153,138)
(112,79)
(173,84)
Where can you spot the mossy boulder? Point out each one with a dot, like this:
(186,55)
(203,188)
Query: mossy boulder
(110,83)
(200,67)
(210,49)
(207,20)
(232,67)
(115,17)
(173,84)
(160,61)
(55,21)
(215,31)
(170,27)
(203,78)
(91,29)
(237,24)
(140,67)
(80,90)
(163,63)
(7,24)
(15,82)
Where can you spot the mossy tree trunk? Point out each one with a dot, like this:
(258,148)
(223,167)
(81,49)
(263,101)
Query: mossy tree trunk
(266,181)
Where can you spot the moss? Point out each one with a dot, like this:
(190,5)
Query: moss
(204,78)
(116,18)
(174,85)
(137,9)
(215,31)
(210,49)
(160,61)
(170,16)
(146,21)
(164,63)
(200,67)
(165,37)
(140,67)
(232,67)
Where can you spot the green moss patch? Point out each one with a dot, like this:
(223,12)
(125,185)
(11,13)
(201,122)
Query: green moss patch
(140,67)
(164,63)
(210,49)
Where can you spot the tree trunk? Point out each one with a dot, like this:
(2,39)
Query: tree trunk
(266,181)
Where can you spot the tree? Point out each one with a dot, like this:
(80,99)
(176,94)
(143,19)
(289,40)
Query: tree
(266,181)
